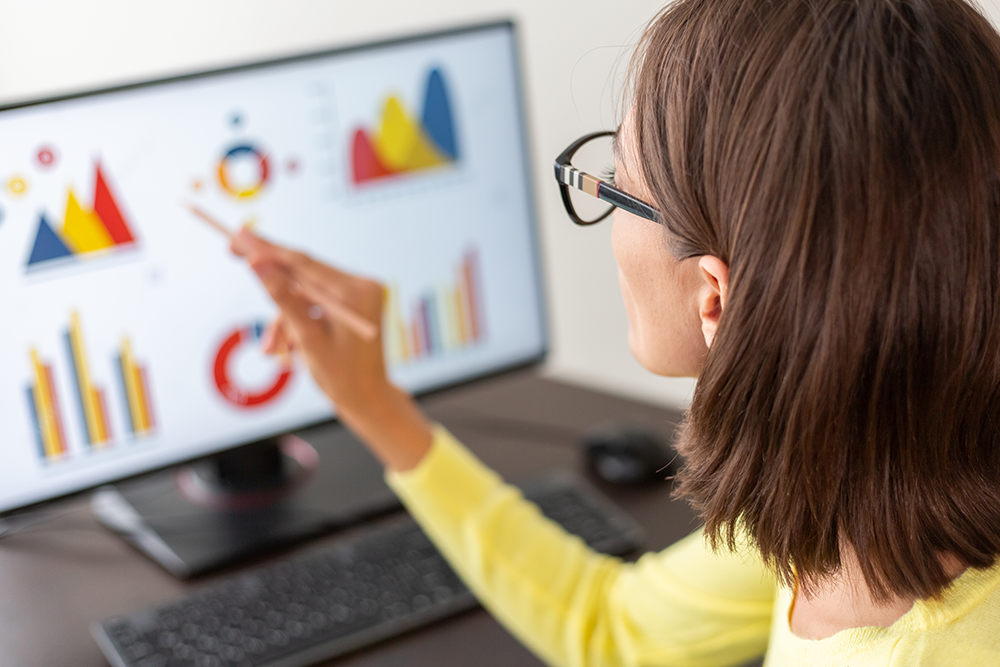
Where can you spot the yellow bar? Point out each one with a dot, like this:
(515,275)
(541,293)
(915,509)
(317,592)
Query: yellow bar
(462,311)
(454,330)
(52,415)
(102,424)
(57,432)
(404,346)
(147,398)
(46,413)
(131,391)
(405,351)
(83,376)
(397,350)
(443,324)
(141,397)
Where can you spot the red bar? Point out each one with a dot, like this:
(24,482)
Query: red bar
(148,397)
(102,408)
(470,275)
(55,409)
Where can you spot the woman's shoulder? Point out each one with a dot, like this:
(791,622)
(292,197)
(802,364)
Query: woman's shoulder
(958,628)
(729,575)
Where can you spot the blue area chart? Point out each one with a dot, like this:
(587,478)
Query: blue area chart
(437,119)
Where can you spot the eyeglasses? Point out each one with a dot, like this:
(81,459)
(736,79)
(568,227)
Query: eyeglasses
(599,195)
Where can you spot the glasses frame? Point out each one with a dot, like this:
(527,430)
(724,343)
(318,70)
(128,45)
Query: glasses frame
(569,176)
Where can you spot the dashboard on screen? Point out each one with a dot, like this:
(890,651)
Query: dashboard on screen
(132,334)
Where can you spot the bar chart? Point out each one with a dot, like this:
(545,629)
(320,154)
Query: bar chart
(441,320)
(53,435)
(135,390)
(46,416)
(91,399)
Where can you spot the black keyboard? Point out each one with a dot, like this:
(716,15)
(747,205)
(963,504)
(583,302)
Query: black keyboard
(376,583)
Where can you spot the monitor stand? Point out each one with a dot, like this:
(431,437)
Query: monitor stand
(245,501)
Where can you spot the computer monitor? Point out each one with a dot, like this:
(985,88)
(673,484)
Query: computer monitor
(131,335)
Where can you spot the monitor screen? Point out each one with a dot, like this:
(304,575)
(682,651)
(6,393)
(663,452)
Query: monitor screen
(132,334)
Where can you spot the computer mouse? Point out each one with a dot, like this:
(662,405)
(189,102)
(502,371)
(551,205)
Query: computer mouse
(627,453)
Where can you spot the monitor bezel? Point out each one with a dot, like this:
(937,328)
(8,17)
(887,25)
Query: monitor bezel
(529,361)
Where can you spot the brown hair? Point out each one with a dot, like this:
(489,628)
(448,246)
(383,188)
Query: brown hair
(842,157)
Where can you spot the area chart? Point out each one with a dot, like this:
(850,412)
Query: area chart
(84,230)
(401,143)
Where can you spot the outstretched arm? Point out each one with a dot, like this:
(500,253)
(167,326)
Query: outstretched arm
(316,302)
(571,605)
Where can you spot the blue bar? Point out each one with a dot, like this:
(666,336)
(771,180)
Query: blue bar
(129,417)
(79,389)
(36,423)
(433,326)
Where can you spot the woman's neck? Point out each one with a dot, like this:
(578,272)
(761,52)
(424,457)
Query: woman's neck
(843,601)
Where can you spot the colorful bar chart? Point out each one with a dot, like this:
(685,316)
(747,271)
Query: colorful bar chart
(90,398)
(441,320)
(95,431)
(135,390)
(44,407)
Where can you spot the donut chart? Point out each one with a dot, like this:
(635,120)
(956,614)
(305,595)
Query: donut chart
(247,187)
(230,387)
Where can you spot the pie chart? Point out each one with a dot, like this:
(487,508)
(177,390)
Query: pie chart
(244,375)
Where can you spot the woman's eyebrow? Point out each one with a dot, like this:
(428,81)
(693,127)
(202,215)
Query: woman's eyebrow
(615,147)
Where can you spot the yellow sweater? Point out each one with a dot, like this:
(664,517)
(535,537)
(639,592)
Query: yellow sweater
(684,606)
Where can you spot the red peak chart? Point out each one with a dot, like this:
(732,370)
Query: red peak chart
(85,231)
(401,143)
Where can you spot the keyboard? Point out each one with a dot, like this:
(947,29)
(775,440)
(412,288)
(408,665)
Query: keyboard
(378,582)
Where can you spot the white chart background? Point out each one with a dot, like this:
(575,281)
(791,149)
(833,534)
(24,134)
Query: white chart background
(185,293)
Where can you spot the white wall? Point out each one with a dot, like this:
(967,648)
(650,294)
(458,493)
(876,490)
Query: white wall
(571,51)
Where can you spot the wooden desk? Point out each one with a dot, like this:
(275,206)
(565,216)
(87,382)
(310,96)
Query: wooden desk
(59,576)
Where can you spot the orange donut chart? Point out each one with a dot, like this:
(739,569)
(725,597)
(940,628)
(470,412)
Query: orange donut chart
(244,190)
(235,394)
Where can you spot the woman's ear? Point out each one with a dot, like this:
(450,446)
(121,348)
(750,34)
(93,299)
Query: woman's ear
(712,294)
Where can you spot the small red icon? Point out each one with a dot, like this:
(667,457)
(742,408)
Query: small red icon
(46,156)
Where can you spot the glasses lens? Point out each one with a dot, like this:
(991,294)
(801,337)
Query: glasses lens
(596,158)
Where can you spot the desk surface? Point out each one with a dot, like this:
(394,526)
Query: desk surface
(57,577)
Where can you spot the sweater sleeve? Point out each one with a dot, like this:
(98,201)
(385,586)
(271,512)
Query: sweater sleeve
(684,606)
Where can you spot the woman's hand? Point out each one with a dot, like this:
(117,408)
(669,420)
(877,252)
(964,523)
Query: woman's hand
(333,320)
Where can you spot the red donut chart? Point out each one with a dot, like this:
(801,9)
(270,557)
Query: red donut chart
(235,394)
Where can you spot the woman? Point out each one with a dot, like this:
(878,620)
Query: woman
(826,175)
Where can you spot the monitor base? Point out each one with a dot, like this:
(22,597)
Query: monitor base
(191,519)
